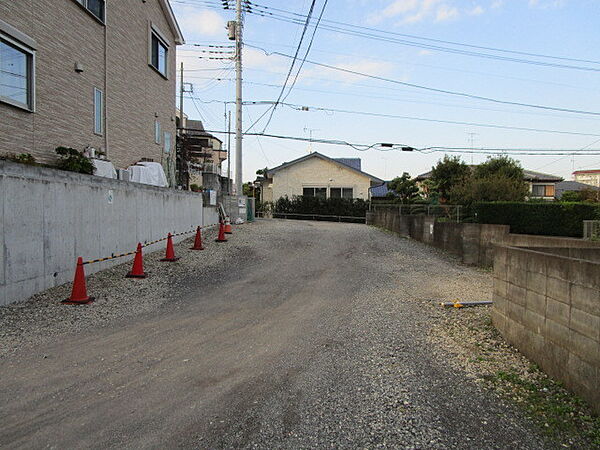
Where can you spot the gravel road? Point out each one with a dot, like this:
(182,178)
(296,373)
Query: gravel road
(294,334)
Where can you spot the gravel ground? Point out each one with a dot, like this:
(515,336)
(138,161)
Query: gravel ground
(295,334)
(43,318)
(471,344)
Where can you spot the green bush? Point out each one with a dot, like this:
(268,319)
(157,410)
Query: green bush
(550,219)
(314,205)
(74,161)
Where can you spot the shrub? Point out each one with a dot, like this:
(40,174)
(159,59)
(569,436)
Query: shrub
(314,205)
(22,158)
(551,219)
(74,161)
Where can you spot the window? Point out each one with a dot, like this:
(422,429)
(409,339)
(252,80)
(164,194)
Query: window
(542,190)
(98,111)
(16,74)
(315,192)
(159,54)
(341,193)
(167,140)
(96,7)
(157,131)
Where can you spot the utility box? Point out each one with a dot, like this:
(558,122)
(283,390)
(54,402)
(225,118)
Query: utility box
(231,27)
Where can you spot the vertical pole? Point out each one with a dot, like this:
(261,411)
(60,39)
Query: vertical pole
(238,98)
(173,156)
(181,98)
(229,155)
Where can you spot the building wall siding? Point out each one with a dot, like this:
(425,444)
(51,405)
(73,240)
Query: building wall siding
(134,93)
(318,173)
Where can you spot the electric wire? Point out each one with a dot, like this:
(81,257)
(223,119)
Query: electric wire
(433,89)
(294,58)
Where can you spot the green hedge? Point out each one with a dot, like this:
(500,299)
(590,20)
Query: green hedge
(550,219)
(330,206)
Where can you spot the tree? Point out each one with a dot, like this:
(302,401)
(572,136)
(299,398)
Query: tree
(493,188)
(448,173)
(502,166)
(498,179)
(585,195)
(405,188)
(262,171)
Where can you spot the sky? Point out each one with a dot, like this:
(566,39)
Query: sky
(559,28)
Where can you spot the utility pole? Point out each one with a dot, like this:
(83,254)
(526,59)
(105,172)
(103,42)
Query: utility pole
(229,156)
(181,90)
(238,98)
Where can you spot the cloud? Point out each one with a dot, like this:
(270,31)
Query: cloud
(497,4)
(445,12)
(547,4)
(425,52)
(413,11)
(204,22)
(476,11)
(364,65)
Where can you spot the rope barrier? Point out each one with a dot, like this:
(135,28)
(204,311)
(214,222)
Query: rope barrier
(120,255)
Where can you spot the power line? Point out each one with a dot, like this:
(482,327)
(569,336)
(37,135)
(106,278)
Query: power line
(308,17)
(440,41)
(424,119)
(425,150)
(384,35)
(307,51)
(421,119)
(432,89)
(387,38)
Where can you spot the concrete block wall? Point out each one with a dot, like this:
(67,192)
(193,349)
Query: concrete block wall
(48,218)
(472,242)
(548,306)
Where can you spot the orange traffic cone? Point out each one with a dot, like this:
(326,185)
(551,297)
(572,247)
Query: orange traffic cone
(138,264)
(79,293)
(170,256)
(227,225)
(221,237)
(198,241)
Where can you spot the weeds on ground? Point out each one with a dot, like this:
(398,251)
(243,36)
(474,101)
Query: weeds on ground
(562,414)
(482,352)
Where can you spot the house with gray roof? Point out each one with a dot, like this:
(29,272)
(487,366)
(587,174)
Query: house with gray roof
(318,175)
(541,185)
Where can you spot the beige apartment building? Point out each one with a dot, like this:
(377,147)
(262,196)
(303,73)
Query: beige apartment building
(88,74)
(589,177)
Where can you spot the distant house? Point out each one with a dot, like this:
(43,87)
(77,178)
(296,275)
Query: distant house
(317,175)
(92,74)
(201,154)
(541,185)
(572,186)
(589,177)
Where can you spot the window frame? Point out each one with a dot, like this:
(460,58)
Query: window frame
(31,59)
(84,5)
(101,116)
(314,189)
(161,40)
(157,132)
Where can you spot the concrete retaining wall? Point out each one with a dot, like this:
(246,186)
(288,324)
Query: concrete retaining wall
(548,306)
(472,242)
(48,218)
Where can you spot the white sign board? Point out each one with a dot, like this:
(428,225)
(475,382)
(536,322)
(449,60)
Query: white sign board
(213,197)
